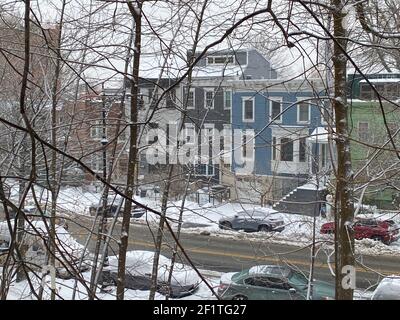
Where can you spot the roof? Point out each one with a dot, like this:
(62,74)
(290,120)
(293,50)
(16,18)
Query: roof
(272,270)
(218,71)
(384,80)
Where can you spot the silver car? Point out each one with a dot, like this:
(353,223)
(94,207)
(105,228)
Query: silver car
(254,220)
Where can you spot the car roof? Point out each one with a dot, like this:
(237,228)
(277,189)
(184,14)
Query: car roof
(257,212)
(388,288)
(270,270)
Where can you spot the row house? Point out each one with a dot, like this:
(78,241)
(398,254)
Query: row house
(209,98)
(94,130)
(282,137)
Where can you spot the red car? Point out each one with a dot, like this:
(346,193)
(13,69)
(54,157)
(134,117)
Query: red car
(383,230)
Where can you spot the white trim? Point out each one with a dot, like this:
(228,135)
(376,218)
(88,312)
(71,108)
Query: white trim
(252,98)
(298,112)
(275,99)
(226,91)
(206,90)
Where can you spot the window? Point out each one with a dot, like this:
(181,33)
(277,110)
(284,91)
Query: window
(276,109)
(171,98)
(96,130)
(273,148)
(363,131)
(190,99)
(303,112)
(97,163)
(323,154)
(286,149)
(257,281)
(209,99)
(302,149)
(140,101)
(227,99)
(366,92)
(122,136)
(248,109)
(244,144)
(205,170)
(229,59)
(149,94)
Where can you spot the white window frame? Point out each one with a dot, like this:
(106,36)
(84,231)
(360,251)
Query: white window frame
(275,99)
(206,106)
(298,112)
(230,94)
(244,99)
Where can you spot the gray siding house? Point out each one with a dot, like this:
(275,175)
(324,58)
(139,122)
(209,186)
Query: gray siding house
(208,97)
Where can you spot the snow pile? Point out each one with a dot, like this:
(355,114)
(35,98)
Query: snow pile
(140,263)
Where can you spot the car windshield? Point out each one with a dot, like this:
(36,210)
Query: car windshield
(297,279)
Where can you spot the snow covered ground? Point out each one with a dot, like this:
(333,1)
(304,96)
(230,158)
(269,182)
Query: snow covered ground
(298,229)
(196,219)
(21,291)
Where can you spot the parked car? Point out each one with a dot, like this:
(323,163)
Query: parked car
(255,220)
(36,240)
(382,230)
(271,282)
(388,289)
(139,265)
(112,209)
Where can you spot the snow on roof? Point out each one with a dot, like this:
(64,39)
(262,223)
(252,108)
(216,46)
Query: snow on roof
(269,269)
(372,69)
(381,80)
(319,135)
(388,289)
(218,71)
(140,263)
(152,66)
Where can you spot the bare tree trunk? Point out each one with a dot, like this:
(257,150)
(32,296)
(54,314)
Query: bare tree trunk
(344,237)
(22,101)
(136,11)
(54,184)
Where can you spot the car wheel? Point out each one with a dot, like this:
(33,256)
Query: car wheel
(264,228)
(239,297)
(225,225)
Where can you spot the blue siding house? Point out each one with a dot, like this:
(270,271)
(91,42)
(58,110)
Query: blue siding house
(274,126)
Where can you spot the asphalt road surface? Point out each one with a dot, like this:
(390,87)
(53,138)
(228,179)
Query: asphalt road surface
(226,254)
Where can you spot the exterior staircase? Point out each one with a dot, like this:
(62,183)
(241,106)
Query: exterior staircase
(304,200)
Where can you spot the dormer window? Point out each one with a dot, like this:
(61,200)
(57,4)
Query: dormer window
(228,59)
